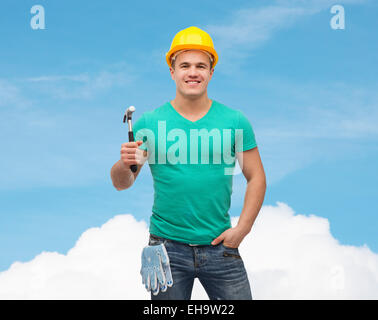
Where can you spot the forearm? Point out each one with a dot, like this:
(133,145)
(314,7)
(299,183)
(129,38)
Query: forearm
(122,177)
(253,200)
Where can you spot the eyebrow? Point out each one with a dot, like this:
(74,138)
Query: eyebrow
(199,63)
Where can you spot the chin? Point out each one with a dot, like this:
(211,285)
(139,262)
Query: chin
(192,94)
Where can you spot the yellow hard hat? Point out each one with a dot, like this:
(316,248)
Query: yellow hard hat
(192,38)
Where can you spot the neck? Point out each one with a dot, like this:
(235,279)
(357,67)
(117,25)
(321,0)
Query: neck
(190,106)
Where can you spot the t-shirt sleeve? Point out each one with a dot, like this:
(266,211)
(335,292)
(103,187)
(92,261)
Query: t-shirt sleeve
(244,135)
(138,130)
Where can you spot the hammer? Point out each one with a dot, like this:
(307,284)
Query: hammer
(127,116)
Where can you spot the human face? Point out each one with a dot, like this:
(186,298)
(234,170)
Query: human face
(192,73)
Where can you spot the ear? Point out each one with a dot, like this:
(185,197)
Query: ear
(172,71)
(211,72)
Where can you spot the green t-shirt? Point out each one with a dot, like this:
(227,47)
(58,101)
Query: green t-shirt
(191,165)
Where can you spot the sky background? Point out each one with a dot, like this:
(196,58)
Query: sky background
(309,91)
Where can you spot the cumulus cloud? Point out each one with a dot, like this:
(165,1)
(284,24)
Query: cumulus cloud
(294,256)
(287,256)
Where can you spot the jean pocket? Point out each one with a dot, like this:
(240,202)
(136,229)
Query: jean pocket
(231,252)
(230,248)
(232,255)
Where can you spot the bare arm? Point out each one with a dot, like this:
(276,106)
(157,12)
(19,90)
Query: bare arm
(253,170)
(256,186)
(122,177)
(121,174)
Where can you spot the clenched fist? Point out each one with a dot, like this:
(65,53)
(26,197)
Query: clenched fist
(131,154)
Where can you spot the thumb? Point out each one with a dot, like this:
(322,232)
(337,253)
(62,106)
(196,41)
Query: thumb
(139,142)
(218,239)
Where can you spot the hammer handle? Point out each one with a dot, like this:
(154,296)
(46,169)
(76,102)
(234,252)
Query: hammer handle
(133,167)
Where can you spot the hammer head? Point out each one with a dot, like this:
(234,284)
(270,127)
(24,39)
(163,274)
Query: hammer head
(128,113)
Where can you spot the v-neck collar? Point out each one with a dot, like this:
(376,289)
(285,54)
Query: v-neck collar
(189,121)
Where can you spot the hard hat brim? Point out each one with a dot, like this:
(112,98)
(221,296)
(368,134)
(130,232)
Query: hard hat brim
(194,47)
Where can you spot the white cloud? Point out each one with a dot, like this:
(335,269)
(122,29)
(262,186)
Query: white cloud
(293,256)
(103,264)
(287,256)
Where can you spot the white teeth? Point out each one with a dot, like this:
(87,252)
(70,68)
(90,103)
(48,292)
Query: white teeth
(192,81)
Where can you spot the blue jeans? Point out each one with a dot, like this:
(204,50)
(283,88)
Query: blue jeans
(220,270)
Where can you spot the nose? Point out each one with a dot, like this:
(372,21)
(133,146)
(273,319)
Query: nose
(193,72)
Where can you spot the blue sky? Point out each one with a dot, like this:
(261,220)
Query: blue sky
(309,91)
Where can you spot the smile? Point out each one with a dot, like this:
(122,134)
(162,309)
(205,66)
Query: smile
(193,82)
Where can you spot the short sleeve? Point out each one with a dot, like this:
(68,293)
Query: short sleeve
(138,128)
(244,135)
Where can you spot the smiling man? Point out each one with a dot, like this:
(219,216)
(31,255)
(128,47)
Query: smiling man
(190,229)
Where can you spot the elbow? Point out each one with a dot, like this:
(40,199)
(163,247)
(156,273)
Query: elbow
(119,188)
(258,179)
(116,183)
(121,182)
(122,187)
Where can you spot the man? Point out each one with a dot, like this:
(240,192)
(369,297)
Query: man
(192,179)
